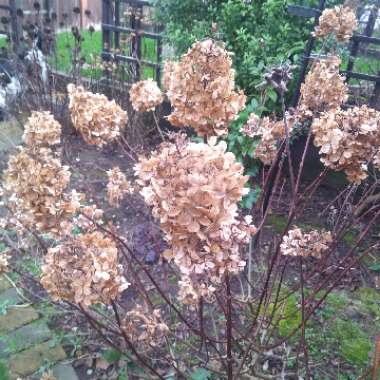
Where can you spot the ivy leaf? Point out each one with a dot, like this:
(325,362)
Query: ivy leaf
(111,356)
(375,267)
(251,198)
(200,374)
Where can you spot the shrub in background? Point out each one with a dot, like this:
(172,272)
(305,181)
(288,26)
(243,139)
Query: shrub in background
(259,33)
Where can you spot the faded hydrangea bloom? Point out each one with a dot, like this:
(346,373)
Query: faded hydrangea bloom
(117,186)
(4,263)
(84,270)
(98,119)
(200,88)
(348,140)
(145,328)
(41,129)
(270,132)
(302,244)
(324,87)
(145,95)
(194,189)
(88,218)
(339,21)
(35,189)
(49,375)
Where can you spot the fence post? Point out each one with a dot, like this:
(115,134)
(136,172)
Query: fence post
(368,33)
(106,19)
(15,26)
(305,61)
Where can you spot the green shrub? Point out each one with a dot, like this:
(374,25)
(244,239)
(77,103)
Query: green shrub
(259,33)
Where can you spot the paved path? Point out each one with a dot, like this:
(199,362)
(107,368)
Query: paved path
(26,342)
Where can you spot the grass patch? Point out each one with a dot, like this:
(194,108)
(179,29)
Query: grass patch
(91,49)
(65,43)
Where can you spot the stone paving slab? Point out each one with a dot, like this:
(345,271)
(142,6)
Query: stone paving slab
(29,361)
(64,372)
(10,296)
(17,317)
(24,337)
(4,284)
(26,342)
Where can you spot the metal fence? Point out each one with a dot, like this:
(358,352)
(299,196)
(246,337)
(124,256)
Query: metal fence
(130,37)
(364,44)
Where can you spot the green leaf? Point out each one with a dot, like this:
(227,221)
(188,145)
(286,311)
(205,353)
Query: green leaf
(111,356)
(251,198)
(200,374)
(272,95)
(123,375)
(375,267)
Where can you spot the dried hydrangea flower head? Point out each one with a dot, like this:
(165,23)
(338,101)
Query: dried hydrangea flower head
(49,375)
(324,87)
(34,188)
(4,263)
(145,95)
(271,134)
(194,189)
(145,328)
(339,21)
(200,88)
(98,119)
(348,140)
(84,270)
(302,244)
(88,218)
(191,290)
(41,129)
(117,186)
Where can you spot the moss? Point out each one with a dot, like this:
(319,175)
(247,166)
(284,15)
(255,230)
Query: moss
(354,343)
(278,222)
(3,372)
(287,315)
(369,304)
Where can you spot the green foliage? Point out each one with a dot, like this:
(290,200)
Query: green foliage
(111,356)
(260,34)
(200,374)
(287,315)
(243,148)
(354,343)
(3,372)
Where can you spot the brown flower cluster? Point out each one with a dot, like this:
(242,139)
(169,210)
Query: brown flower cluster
(4,263)
(194,189)
(84,270)
(324,87)
(145,328)
(117,186)
(192,289)
(49,375)
(34,188)
(42,129)
(310,244)
(89,217)
(348,140)
(145,95)
(270,132)
(200,88)
(339,21)
(98,119)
